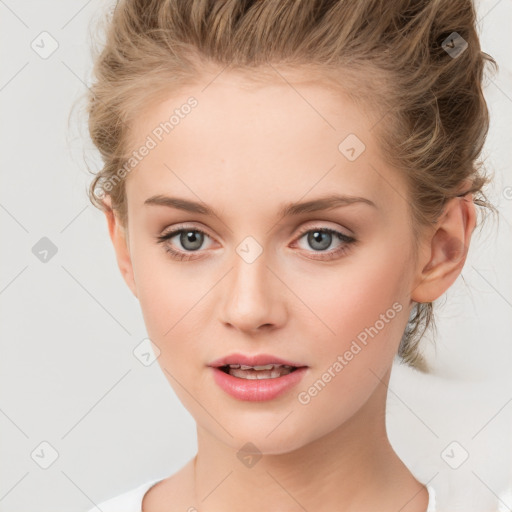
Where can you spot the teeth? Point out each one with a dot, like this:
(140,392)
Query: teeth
(258,368)
(261,367)
(268,372)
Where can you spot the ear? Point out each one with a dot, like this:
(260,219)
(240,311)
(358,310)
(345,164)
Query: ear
(444,253)
(119,238)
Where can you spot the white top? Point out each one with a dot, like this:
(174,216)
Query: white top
(131,501)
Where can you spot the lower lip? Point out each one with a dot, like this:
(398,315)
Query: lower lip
(257,390)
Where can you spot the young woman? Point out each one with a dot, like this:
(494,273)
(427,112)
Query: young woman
(288,186)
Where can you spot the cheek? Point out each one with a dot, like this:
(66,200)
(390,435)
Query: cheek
(366,306)
(163,291)
(353,297)
(175,299)
(174,317)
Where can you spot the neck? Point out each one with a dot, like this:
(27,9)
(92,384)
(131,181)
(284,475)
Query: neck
(353,467)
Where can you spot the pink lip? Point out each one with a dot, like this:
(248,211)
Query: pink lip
(257,390)
(253,360)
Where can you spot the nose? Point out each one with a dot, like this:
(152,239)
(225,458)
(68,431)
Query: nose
(253,296)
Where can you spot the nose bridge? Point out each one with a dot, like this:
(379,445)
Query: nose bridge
(251,299)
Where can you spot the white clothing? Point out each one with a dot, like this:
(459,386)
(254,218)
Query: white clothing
(131,501)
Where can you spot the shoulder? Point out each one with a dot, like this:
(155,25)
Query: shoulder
(129,501)
(431,499)
(444,496)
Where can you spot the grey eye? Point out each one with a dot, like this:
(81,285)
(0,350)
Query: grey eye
(191,240)
(319,240)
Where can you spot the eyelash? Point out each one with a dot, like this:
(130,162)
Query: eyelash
(184,256)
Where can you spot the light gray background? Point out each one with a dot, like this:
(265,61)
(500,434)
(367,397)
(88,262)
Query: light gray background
(69,326)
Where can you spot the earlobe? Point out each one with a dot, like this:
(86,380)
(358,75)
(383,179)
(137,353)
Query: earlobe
(445,253)
(119,239)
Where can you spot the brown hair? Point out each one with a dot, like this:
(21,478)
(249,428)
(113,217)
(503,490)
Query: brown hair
(400,57)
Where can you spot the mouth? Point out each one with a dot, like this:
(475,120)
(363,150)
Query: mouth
(260,377)
(267,371)
(256,367)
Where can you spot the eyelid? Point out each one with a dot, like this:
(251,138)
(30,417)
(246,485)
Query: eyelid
(322,226)
(179,227)
(304,229)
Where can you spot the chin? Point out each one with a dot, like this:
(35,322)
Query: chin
(269,437)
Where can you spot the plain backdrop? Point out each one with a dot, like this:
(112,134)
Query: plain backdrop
(81,419)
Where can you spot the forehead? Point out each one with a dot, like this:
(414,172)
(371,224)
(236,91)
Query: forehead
(268,138)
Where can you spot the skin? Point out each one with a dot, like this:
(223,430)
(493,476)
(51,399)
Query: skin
(246,151)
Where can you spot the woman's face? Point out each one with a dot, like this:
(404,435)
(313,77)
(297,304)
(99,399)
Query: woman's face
(266,277)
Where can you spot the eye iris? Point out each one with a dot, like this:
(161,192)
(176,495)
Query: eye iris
(313,239)
(191,236)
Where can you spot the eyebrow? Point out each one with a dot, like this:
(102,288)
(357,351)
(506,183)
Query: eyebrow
(290,209)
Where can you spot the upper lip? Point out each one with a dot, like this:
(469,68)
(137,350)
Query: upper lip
(253,360)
